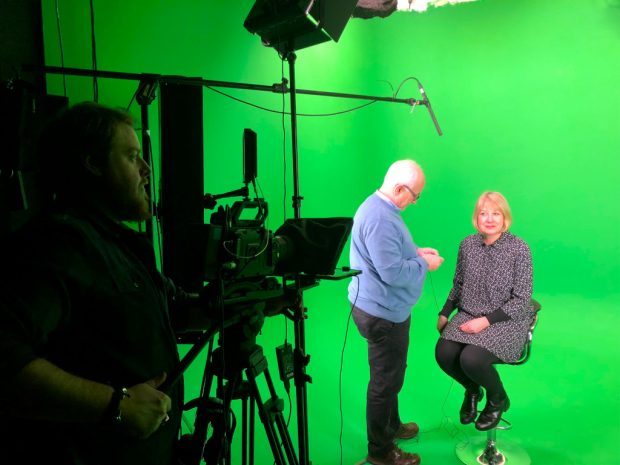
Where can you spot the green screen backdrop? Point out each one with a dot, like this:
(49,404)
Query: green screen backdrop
(527,94)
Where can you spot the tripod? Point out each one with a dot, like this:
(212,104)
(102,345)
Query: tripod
(238,369)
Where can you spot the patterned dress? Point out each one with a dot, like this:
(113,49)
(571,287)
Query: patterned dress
(490,278)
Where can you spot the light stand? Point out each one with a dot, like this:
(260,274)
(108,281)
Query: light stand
(291,57)
(288,26)
(301,360)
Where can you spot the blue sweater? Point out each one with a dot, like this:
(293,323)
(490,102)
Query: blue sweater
(383,249)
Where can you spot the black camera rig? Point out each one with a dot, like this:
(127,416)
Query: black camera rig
(252,273)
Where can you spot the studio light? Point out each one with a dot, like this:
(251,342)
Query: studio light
(289,25)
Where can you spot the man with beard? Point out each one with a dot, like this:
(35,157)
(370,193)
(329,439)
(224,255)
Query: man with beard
(86,334)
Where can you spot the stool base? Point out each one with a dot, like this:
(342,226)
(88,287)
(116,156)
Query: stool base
(481,451)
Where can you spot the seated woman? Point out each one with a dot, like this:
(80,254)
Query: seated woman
(492,291)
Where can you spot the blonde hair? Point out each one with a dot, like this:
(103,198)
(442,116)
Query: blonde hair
(498,199)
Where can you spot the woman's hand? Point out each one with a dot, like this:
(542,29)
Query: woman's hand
(441,323)
(475,326)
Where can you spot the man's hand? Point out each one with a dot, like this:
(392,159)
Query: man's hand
(426,251)
(433,260)
(146,408)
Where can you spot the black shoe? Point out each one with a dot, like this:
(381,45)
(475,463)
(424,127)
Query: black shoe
(492,414)
(470,406)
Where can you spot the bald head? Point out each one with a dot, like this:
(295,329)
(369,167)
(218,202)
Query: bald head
(402,172)
(403,182)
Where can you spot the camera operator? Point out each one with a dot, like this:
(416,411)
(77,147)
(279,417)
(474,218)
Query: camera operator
(86,319)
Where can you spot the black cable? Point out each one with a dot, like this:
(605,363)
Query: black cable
(288,392)
(133,98)
(93,51)
(410,78)
(344,344)
(391,86)
(283,143)
(154,203)
(445,419)
(260,196)
(430,275)
(62,51)
(359,107)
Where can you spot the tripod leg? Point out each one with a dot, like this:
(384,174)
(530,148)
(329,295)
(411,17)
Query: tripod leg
(208,410)
(228,426)
(270,412)
(216,450)
(252,405)
(280,422)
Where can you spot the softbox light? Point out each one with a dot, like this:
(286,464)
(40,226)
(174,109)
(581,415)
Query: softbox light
(289,25)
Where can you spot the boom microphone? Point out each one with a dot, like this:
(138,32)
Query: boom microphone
(427,103)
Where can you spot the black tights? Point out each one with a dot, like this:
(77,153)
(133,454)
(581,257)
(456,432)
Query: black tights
(471,366)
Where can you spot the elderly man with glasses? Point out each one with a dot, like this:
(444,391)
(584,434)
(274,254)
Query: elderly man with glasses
(393,271)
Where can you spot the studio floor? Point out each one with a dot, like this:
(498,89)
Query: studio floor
(565,401)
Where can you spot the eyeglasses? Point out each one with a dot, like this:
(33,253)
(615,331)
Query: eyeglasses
(415,196)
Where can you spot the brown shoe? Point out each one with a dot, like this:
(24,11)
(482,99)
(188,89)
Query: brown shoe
(395,457)
(407,431)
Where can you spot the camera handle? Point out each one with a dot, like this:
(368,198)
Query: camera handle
(210,200)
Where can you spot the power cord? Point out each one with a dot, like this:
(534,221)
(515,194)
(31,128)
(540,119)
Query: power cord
(446,421)
(62,51)
(344,344)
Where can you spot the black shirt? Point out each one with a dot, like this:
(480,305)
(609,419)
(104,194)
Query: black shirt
(85,294)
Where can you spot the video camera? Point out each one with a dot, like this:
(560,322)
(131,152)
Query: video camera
(237,245)
(240,247)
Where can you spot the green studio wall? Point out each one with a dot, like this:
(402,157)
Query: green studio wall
(526,94)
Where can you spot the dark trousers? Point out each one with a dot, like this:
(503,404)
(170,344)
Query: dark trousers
(471,366)
(387,356)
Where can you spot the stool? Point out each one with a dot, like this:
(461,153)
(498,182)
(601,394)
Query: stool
(486,451)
